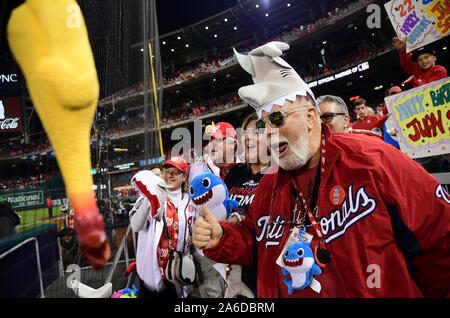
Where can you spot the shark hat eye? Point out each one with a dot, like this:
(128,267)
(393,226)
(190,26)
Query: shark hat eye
(300,252)
(206,182)
(286,253)
(191,190)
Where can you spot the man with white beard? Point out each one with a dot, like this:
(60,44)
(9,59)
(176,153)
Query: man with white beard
(357,216)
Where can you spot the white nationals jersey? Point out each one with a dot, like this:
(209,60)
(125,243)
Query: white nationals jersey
(148,240)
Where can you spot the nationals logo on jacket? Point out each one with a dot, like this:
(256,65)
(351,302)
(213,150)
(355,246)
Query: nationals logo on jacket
(358,205)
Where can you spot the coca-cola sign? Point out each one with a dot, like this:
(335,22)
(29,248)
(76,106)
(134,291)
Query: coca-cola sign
(10,114)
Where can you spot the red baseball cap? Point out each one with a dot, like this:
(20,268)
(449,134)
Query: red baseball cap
(179,163)
(221,130)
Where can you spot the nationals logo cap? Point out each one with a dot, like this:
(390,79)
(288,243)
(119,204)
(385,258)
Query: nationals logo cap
(179,163)
(221,130)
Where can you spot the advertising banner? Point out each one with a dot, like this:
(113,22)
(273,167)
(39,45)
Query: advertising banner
(420,22)
(10,79)
(10,114)
(422,118)
(21,200)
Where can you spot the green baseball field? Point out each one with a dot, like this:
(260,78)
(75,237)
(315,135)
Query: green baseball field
(35,217)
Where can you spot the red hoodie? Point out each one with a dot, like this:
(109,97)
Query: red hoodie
(389,237)
(421,77)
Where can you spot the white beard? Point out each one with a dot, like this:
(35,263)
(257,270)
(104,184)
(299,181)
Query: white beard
(298,155)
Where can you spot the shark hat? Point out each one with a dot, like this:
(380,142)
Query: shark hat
(275,81)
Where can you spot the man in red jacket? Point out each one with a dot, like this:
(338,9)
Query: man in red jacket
(367,121)
(50,207)
(377,224)
(421,64)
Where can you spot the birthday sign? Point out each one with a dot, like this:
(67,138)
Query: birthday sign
(422,118)
(419,21)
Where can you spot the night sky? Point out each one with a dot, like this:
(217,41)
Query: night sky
(174,14)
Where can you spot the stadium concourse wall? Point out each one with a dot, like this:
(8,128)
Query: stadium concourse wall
(35,198)
(29,262)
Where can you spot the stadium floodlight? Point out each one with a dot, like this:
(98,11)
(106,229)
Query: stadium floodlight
(172,50)
(235,28)
(266,14)
(225,20)
(215,35)
(179,38)
(187,45)
(206,27)
(288,5)
(257,6)
(164,42)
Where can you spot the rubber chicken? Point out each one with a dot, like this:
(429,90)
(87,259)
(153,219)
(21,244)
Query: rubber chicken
(49,41)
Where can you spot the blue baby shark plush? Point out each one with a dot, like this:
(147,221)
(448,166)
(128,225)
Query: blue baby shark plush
(208,189)
(299,262)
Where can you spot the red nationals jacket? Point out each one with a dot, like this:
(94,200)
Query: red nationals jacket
(389,237)
(421,77)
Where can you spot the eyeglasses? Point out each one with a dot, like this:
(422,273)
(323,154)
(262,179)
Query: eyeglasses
(328,117)
(275,119)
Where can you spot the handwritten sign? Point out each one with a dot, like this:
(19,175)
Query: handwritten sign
(419,21)
(422,118)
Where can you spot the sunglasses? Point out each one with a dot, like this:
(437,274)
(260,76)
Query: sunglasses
(275,120)
(328,117)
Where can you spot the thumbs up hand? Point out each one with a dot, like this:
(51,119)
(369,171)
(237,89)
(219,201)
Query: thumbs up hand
(207,231)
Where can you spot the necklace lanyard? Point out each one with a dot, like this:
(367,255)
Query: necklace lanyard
(302,201)
(319,176)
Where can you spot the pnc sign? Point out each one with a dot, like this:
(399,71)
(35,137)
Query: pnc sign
(9,78)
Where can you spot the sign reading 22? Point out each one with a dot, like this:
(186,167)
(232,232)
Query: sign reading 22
(409,8)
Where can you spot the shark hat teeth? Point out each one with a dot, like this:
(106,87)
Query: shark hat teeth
(275,81)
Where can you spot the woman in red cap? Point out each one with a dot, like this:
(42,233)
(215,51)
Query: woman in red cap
(153,246)
(242,180)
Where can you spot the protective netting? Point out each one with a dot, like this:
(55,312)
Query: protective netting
(108,25)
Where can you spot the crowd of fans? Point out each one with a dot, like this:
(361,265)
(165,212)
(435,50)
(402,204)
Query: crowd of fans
(364,53)
(213,65)
(18,147)
(23,183)
(129,123)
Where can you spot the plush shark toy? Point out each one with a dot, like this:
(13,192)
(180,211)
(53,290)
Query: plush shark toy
(299,262)
(208,189)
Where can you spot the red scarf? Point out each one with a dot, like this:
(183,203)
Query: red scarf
(163,249)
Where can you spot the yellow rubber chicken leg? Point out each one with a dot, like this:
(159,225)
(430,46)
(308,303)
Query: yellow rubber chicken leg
(49,41)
